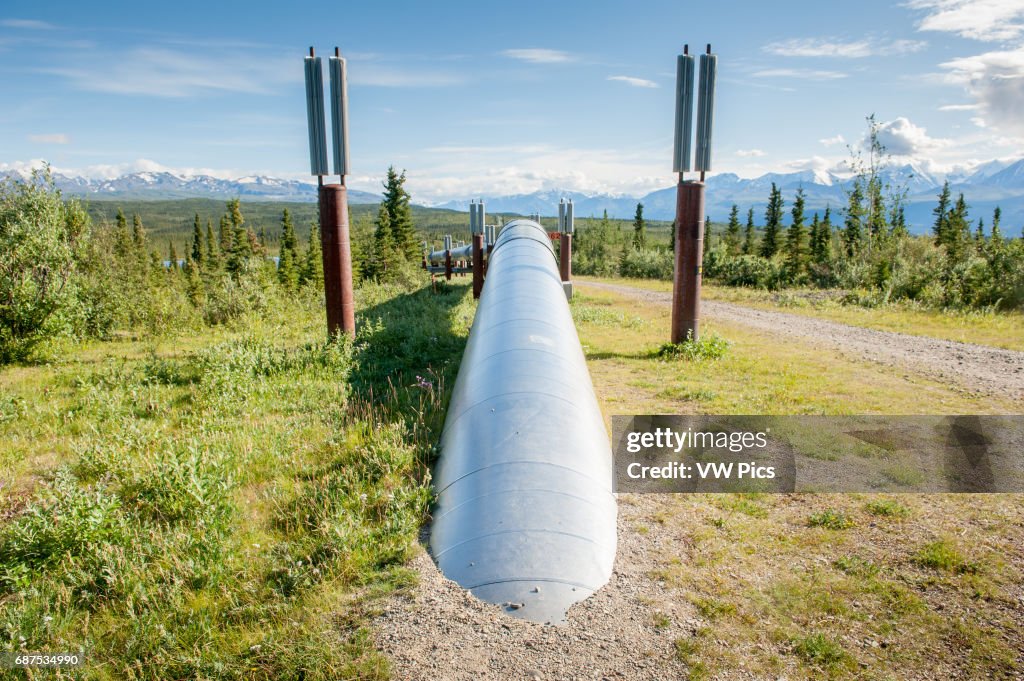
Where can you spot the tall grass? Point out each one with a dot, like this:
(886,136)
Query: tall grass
(228,507)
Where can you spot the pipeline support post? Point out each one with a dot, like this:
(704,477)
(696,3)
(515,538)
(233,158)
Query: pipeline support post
(337,259)
(478,264)
(689,250)
(565,256)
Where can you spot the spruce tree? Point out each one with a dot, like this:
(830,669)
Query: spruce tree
(772,223)
(241,249)
(823,252)
(172,256)
(748,234)
(997,236)
(957,230)
(227,237)
(212,258)
(197,241)
(123,245)
(941,213)
(732,231)
(140,243)
(639,232)
(385,252)
(899,222)
(396,202)
(287,265)
(853,225)
(796,256)
(313,263)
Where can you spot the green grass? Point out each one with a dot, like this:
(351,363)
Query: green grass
(224,505)
(820,651)
(945,555)
(887,508)
(830,518)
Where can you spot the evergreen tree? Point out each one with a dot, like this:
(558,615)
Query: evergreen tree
(957,231)
(197,241)
(212,258)
(941,213)
(853,225)
(172,256)
(227,238)
(823,250)
(748,234)
(997,236)
(242,247)
(639,232)
(396,202)
(123,245)
(624,258)
(796,255)
(772,223)
(140,244)
(732,232)
(287,265)
(979,233)
(899,222)
(385,252)
(313,263)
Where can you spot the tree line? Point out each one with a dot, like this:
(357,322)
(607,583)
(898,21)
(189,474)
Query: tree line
(62,275)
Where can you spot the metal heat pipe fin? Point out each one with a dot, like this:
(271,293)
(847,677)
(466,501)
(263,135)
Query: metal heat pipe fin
(525,514)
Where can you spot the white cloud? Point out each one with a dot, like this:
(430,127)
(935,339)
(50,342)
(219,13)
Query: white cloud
(382,76)
(832,141)
(31,24)
(749,153)
(162,72)
(900,137)
(807,74)
(856,49)
(959,107)
(51,138)
(996,81)
(537,55)
(988,20)
(635,82)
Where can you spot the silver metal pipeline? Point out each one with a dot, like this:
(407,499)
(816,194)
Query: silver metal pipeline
(525,514)
(462,253)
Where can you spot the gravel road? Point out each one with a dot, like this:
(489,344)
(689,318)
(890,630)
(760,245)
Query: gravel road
(974,368)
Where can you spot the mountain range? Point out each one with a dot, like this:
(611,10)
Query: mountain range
(996,183)
(989,185)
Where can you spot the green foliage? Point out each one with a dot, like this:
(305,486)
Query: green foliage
(831,519)
(887,508)
(709,346)
(732,232)
(944,555)
(639,231)
(42,241)
(772,223)
(820,651)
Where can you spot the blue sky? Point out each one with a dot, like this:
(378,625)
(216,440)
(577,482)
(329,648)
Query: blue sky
(499,98)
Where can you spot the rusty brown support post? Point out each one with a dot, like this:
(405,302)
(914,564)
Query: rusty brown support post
(478,264)
(337,258)
(565,257)
(448,265)
(689,248)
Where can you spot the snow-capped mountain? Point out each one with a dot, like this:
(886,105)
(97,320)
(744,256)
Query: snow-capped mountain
(164,185)
(984,187)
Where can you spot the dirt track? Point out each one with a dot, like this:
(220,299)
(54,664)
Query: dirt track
(974,368)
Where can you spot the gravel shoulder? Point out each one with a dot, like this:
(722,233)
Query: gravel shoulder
(974,368)
(627,630)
